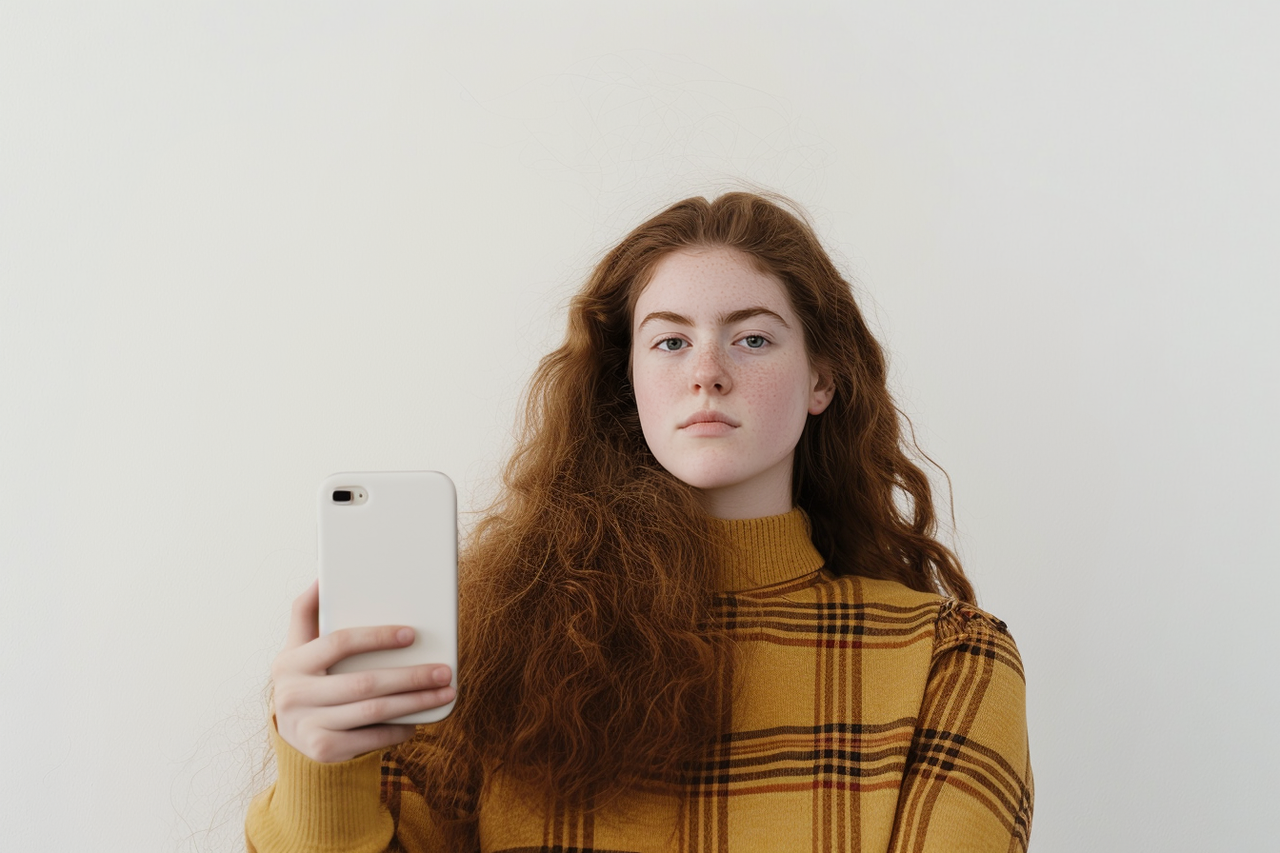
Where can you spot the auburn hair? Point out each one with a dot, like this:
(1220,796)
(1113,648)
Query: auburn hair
(590,658)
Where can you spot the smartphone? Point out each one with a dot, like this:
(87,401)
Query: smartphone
(388,555)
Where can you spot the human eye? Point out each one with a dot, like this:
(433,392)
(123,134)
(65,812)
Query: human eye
(677,343)
(754,341)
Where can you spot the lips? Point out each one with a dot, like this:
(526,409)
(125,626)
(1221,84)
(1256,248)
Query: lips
(706,416)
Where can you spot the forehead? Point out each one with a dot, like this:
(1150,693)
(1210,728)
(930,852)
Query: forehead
(703,283)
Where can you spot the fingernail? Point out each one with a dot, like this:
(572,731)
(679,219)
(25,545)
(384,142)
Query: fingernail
(441,674)
(405,635)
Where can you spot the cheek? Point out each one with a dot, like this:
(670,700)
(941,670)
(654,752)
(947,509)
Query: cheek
(779,397)
(648,388)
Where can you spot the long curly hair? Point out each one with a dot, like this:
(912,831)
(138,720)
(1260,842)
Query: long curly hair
(590,658)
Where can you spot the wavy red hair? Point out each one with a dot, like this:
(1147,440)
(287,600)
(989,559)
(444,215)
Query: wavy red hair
(589,656)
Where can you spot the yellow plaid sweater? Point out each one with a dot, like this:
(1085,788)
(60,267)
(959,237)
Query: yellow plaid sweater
(865,716)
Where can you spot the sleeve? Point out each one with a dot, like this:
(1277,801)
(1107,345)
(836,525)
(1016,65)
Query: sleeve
(320,807)
(968,783)
(364,805)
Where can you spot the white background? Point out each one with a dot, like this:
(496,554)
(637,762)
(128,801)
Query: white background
(243,246)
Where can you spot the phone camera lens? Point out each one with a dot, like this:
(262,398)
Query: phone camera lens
(341,496)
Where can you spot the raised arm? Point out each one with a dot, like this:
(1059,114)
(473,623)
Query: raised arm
(329,735)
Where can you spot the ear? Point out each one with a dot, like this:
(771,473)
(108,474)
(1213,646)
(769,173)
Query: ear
(822,389)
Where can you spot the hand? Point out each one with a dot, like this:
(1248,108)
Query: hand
(332,718)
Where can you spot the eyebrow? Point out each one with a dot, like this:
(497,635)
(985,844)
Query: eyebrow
(723,320)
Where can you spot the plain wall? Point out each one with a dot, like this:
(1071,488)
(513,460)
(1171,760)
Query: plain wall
(243,246)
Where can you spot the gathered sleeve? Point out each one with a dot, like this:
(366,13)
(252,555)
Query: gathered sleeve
(365,805)
(968,783)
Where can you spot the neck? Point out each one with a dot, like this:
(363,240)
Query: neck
(767,493)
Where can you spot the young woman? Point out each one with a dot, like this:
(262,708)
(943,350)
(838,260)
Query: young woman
(708,612)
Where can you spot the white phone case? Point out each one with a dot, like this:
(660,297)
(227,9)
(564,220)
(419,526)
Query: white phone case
(390,557)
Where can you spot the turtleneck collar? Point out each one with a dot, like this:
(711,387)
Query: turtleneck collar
(767,551)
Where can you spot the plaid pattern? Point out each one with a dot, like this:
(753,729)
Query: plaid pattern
(862,716)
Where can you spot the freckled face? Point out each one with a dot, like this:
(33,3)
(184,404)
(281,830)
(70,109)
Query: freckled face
(722,380)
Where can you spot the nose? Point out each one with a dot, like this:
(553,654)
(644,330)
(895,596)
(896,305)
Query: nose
(710,371)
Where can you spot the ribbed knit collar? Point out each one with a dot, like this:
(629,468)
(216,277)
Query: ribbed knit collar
(768,550)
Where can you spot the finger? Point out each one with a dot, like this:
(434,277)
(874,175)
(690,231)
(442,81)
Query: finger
(322,653)
(347,687)
(360,741)
(304,617)
(371,712)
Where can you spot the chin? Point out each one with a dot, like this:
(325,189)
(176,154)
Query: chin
(703,478)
